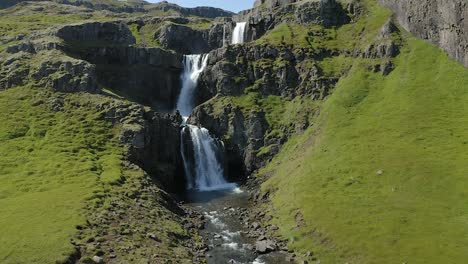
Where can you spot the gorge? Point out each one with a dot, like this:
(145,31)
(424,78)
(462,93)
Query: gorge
(297,131)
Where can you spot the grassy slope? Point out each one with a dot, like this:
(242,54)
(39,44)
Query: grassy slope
(51,164)
(413,125)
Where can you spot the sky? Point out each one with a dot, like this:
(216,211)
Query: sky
(232,5)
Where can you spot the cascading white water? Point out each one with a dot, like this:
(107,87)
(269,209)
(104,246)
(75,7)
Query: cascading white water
(193,67)
(205,171)
(238,33)
(208,170)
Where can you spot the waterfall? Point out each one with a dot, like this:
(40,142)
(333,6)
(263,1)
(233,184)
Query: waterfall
(200,152)
(207,173)
(238,33)
(193,67)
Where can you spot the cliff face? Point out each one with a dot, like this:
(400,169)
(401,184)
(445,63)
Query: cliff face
(438,21)
(267,14)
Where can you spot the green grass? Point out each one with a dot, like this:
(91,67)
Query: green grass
(356,35)
(52,163)
(412,125)
(20,20)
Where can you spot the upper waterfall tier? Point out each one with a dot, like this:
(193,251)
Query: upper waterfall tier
(238,33)
(193,67)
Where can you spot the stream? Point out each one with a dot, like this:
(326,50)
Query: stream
(226,236)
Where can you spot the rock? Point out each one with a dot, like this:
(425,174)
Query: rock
(173,36)
(440,22)
(56,104)
(387,68)
(114,33)
(265,246)
(97,259)
(255,226)
(153,237)
(266,14)
(249,247)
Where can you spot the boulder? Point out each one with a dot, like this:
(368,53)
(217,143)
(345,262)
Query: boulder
(265,246)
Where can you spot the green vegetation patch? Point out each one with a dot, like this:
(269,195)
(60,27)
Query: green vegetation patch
(381,177)
(52,163)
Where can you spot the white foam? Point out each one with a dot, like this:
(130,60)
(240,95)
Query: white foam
(231,234)
(232,245)
(238,33)
(215,220)
(237,190)
(258,261)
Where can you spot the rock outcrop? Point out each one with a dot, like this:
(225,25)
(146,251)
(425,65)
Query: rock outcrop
(441,22)
(202,11)
(174,36)
(152,139)
(150,76)
(267,69)
(266,14)
(97,33)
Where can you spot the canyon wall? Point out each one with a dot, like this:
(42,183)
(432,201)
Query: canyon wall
(441,22)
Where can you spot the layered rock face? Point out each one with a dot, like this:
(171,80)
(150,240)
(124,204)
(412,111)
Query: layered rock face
(115,34)
(268,13)
(174,36)
(147,75)
(202,11)
(441,22)
(270,70)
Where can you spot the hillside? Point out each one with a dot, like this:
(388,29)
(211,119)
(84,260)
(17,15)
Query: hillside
(339,127)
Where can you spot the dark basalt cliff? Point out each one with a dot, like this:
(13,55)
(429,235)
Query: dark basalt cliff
(441,22)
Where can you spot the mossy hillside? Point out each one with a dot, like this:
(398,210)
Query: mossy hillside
(22,20)
(121,220)
(52,164)
(146,35)
(380,178)
(348,37)
(334,46)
